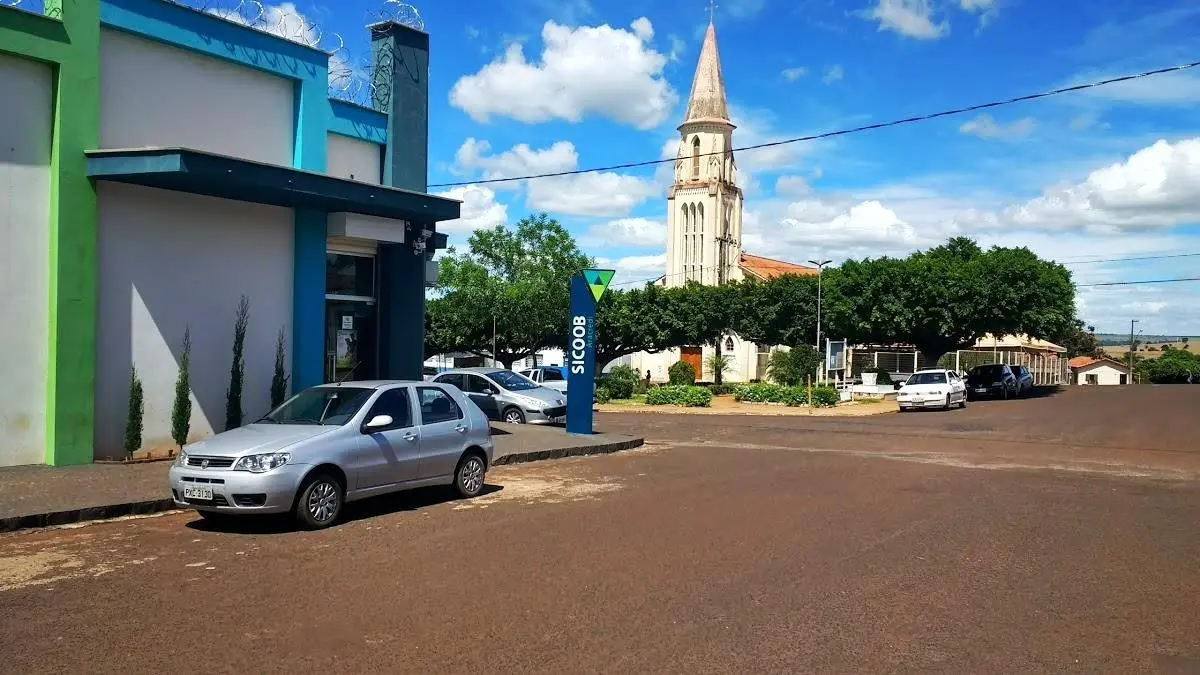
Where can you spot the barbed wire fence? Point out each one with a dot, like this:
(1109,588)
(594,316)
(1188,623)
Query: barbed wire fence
(351,62)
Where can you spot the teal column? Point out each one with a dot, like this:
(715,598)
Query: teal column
(312,115)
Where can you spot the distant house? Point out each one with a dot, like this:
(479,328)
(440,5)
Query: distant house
(1101,371)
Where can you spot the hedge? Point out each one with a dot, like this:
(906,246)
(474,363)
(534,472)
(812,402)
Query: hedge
(681,395)
(763,392)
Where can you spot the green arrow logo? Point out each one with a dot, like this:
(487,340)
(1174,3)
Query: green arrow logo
(597,281)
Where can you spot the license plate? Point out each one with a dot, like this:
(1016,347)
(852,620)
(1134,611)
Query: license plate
(196,492)
(981,390)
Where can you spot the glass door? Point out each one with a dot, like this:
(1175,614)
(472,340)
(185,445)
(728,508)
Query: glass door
(350,337)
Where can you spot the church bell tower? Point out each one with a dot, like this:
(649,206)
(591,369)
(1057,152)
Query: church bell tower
(704,204)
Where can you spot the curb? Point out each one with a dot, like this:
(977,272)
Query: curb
(149,506)
(574,451)
(56,518)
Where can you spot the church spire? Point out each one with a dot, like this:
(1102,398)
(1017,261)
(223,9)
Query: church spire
(707,101)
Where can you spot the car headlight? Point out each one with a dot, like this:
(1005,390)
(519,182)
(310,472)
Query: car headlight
(181,460)
(262,463)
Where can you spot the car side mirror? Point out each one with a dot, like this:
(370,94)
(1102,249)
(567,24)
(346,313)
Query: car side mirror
(489,391)
(379,422)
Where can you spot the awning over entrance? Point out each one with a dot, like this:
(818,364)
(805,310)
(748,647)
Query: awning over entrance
(203,173)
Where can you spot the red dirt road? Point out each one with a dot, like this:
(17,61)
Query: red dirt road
(732,549)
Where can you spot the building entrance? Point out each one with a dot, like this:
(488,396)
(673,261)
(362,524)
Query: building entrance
(351,328)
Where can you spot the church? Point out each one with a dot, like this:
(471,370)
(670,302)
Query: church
(704,224)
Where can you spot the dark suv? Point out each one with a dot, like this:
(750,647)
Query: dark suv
(1024,379)
(993,379)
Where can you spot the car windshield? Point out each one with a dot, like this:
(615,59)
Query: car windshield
(988,371)
(333,406)
(927,378)
(512,381)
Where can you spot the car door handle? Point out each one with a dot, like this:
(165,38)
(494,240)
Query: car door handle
(460,429)
(410,437)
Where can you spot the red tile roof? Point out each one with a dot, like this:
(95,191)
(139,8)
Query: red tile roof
(1085,361)
(762,268)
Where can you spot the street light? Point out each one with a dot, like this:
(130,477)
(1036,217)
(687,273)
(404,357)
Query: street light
(820,268)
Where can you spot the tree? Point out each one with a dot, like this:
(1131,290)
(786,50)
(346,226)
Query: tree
(630,321)
(948,297)
(519,278)
(237,369)
(1173,367)
(181,408)
(781,311)
(279,379)
(718,363)
(790,367)
(1078,341)
(134,414)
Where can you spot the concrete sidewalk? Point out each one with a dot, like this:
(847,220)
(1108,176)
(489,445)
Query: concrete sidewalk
(40,496)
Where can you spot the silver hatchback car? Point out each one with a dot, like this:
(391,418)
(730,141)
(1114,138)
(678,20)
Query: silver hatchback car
(338,443)
(507,396)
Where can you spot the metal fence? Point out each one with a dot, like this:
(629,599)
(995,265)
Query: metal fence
(1047,369)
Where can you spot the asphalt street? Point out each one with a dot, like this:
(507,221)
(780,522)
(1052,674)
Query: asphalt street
(1009,537)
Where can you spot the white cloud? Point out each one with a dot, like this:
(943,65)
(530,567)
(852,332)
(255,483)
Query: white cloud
(480,210)
(743,9)
(833,74)
(677,47)
(910,18)
(599,194)
(793,74)
(583,71)
(986,9)
(1156,188)
(521,160)
(635,270)
(791,186)
(986,127)
(603,194)
(1086,121)
(636,232)
(1179,88)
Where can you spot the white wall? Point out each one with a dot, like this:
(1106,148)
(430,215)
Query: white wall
(169,261)
(153,95)
(27,89)
(352,158)
(1105,374)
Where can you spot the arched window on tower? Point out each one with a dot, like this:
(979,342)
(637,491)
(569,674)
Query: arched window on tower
(696,158)
(728,344)
(700,240)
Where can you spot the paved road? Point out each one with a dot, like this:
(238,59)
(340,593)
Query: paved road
(746,553)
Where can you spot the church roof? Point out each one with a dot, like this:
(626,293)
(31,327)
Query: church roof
(707,102)
(761,268)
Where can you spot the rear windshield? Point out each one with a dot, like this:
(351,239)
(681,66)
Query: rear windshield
(993,369)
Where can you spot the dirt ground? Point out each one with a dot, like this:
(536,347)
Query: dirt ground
(1036,536)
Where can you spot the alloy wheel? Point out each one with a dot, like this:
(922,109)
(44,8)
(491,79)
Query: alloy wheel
(472,475)
(323,501)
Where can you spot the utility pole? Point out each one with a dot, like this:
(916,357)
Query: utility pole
(1132,348)
(493,340)
(820,268)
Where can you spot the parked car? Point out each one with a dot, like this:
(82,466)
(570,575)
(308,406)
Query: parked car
(337,443)
(932,389)
(507,396)
(551,377)
(429,372)
(1024,380)
(992,379)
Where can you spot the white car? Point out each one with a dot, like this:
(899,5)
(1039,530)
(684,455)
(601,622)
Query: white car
(932,389)
(551,377)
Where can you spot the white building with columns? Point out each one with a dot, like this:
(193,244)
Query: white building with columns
(704,223)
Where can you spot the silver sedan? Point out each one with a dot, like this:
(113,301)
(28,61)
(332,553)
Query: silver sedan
(334,444)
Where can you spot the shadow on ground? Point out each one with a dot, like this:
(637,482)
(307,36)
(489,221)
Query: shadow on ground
(409,500)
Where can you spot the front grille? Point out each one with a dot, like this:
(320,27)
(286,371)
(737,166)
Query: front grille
(212,462)
(555,412)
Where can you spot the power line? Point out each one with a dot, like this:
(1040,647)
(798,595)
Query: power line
(1138,283)
(846,132)
(1143,257)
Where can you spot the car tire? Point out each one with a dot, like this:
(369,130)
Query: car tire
(319,502)
(962,405)
(513,416)
(470,475)
(947,406)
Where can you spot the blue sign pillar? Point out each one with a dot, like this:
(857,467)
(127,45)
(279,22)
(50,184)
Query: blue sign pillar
(586,290)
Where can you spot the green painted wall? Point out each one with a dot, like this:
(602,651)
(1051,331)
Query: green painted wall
(69,38)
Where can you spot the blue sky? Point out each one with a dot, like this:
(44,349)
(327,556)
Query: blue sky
(529,86)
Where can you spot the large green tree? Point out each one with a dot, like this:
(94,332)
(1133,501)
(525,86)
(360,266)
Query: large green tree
(1079,340)
(781,311)
(948,297)
(516,279)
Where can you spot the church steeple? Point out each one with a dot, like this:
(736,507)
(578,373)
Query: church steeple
(707,101)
